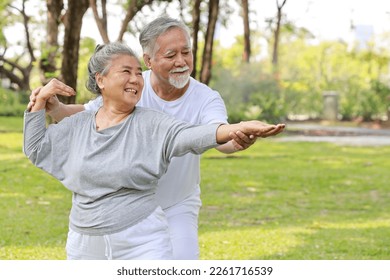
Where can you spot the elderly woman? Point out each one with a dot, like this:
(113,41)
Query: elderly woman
(112,158)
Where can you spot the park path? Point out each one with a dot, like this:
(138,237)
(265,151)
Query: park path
(352,136)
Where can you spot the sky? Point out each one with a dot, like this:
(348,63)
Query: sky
(325,19)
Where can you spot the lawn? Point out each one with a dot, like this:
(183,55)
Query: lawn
(275,201)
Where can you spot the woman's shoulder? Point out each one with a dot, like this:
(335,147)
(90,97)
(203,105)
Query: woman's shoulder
(80,117)
(152,116)
(149,111)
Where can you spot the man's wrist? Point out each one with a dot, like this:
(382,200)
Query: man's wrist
(54,112)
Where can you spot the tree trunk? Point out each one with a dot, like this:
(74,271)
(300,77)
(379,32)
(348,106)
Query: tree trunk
(205,73)
(276,39)
(134,7)
(101,21)
(195,30)
(70,55)
(247,43)
(16,72)
(47,63)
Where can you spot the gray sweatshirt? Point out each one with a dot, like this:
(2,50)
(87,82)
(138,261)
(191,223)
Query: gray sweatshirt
(112,173)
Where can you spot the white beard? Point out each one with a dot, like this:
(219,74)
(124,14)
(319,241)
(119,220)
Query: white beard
(181,80)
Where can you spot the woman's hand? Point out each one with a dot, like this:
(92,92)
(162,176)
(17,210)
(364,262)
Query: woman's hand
(260,129)
(45,97)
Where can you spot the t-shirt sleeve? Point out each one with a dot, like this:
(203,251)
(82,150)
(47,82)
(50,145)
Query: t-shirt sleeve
(214,110)
(94,104)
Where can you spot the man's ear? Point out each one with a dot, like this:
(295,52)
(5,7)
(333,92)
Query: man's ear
(147,61)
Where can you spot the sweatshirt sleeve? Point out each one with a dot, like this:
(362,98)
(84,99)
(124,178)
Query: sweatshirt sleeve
(184,138)
(34,129)
(47,148)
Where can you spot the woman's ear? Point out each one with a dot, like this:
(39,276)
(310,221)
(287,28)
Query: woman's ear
(99,80)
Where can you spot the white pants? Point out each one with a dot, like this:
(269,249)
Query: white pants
(147,240)
(183,227)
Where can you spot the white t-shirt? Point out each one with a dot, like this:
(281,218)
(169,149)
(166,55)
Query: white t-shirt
(199,105)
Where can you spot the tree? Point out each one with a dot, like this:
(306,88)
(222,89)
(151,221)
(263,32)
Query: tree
(18,70)
(195,31)
(132,8)
(47,63)
(205,72)
(101,21)
(276,37)
(247,42)
(70,53)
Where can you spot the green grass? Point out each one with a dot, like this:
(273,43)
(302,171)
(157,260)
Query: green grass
(275,201)
(11,124)
(296,201)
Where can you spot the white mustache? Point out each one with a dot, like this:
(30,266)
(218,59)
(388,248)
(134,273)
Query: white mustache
(180,69)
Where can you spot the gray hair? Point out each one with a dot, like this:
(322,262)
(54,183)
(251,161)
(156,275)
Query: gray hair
(157,27)
(100,62)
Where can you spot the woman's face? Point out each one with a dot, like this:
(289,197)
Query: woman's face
(123,84)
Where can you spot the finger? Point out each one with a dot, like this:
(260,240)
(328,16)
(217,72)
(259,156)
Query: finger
(236,141)
(278,129)
(240,136)
(57,87)
(34,93)
(33,98)
(267,129)
(271,132)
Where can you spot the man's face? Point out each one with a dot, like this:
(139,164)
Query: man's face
(173,60)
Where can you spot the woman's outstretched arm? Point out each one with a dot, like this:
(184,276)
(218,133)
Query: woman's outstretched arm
(256,128)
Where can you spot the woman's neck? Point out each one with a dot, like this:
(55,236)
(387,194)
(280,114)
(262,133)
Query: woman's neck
(108,117)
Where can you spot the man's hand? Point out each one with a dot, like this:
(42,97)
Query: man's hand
(241,141)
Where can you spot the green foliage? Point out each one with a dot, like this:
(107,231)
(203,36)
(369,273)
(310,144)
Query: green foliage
(359,76)
(87,48)
(250,94)
(12,103)
(353,74)
(277,200)
(307,69)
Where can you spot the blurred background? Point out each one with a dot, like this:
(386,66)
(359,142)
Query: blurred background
(273,60)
